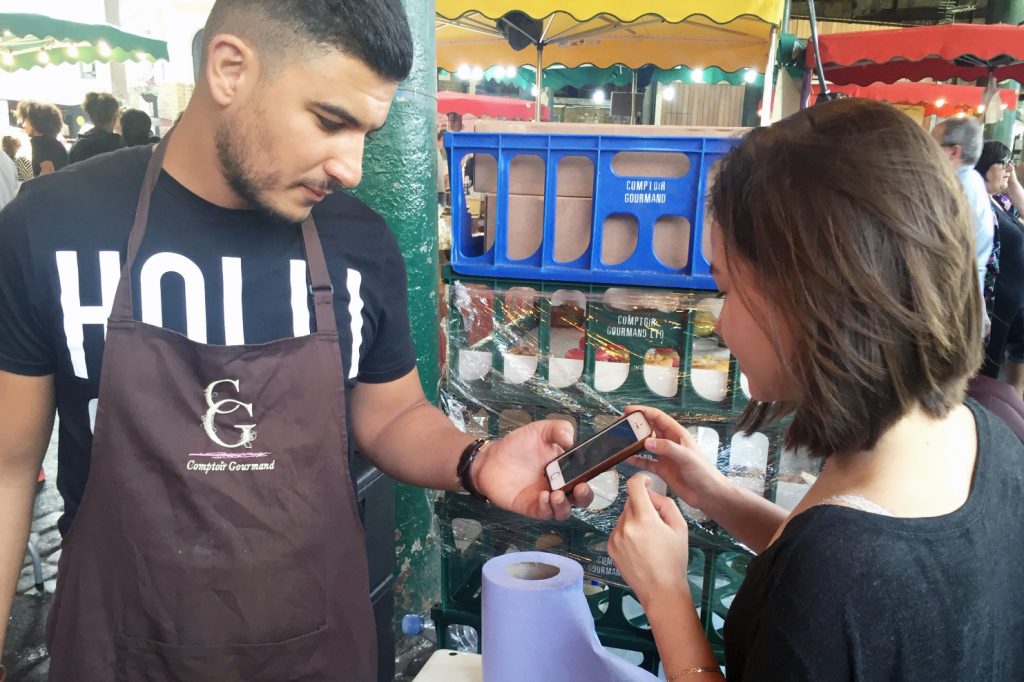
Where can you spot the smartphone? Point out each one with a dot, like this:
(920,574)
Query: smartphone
(621,440)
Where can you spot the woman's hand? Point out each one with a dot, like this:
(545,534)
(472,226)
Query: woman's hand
(679,460)
(650,545)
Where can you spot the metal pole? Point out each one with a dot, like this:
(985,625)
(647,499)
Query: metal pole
(769,78)
(632,102)
(118,78)
(399,183)
(540,83)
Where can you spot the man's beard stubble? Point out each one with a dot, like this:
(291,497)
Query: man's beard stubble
(234,152)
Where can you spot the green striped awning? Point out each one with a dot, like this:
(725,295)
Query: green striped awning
(30,40)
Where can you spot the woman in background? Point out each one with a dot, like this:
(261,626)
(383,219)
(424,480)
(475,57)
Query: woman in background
(852,305)
(43,123)
(11,147)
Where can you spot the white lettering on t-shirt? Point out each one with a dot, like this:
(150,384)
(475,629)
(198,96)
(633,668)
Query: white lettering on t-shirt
(76,315)
(234,326)
(355,311)
(300,308)
(153,271)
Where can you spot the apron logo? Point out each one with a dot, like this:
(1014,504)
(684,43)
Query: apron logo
(227,406)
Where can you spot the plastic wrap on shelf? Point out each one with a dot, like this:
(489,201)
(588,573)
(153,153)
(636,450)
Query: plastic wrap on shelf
(590,348)
(518,351)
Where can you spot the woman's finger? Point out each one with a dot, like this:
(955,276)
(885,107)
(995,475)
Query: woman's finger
(668,510)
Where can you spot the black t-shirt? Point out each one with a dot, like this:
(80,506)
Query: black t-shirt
(848,595)
(218,275)
(96,141)
(47,149)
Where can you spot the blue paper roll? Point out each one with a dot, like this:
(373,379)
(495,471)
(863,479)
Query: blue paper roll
(537,626)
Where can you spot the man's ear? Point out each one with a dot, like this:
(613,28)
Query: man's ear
(231,68)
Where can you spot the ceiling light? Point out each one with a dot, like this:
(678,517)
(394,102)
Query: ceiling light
(669,93)
(697,75)
(750,75)
(103,48)
(464,72)
(598,97)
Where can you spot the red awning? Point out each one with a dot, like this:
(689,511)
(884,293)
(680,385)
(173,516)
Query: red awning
(967,51)
(487,105)
(936,98)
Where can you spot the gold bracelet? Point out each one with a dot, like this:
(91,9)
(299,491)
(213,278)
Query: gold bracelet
(693,671)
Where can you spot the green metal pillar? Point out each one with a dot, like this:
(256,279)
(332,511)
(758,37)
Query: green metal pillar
(1004,12)
(398,181)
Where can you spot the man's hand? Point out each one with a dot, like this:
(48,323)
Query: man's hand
(510,472)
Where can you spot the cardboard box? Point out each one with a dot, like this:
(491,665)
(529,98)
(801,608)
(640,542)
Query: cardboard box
(575,173)
(497,126)
(573,218)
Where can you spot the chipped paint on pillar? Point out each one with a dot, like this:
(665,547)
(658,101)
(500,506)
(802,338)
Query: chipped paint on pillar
(398,181)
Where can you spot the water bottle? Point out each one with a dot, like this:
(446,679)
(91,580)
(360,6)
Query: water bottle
(460,637)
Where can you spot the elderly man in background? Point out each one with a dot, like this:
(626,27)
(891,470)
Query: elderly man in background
(961,138)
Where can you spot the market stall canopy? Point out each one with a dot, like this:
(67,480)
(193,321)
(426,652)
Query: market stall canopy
(30,40)
(936,98)
(727,34)
(486,105)
(967,51)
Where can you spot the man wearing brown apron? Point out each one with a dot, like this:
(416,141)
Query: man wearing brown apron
(215,346)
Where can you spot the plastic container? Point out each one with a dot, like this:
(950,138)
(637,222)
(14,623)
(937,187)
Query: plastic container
(459,637)
(646,207)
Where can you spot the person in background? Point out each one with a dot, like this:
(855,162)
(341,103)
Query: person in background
(1006,196)
(43,123)
(101,108)
(837,241)
(136,128)
(11,147)
(442,171)
(8,179)
(961,139)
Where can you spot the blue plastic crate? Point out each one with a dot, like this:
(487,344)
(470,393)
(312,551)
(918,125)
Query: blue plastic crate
(645,198)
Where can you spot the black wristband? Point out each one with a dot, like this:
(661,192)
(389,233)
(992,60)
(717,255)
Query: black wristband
(465,469)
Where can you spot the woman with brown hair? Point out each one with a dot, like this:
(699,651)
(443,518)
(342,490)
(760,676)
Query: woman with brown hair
(844,248)
(43,123)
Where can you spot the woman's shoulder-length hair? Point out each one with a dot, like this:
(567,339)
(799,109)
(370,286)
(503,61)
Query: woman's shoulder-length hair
(860,236)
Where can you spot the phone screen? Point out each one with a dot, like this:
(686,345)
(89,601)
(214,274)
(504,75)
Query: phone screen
(591,453)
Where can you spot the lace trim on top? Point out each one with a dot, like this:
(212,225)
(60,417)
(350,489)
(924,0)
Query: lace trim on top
(857,502)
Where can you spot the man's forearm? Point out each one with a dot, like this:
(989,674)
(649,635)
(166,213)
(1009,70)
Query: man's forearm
(421,447)
(17,491)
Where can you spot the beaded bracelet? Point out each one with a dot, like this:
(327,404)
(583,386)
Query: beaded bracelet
(464,470)
(693,671)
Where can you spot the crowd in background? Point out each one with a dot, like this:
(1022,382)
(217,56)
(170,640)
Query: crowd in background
(996,198)
(48,150)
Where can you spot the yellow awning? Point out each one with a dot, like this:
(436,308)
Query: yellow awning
(719,11)
(695,41)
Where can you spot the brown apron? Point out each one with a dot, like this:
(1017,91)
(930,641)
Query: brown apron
(218,539)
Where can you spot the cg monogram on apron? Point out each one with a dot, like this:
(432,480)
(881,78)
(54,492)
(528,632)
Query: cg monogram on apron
(218,538)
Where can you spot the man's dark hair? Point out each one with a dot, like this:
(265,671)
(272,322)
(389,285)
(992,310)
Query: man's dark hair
(101,107)
(135,127)
(374,31)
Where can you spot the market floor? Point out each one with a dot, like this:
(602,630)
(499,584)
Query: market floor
(25,654)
